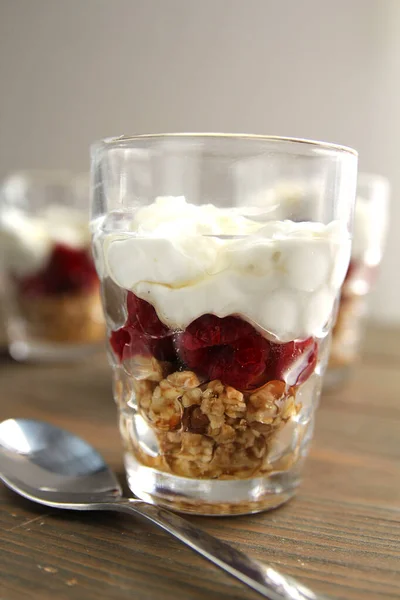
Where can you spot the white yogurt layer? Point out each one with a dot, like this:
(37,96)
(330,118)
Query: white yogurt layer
(190,260)
(26,241)
(370,226)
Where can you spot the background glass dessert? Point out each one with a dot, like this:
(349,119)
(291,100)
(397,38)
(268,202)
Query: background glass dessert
(51,290)
(370,226)
(3,331)
(218,309)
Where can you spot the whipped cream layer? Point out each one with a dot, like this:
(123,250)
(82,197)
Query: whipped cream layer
(189,260)
(370,226)
(26,241)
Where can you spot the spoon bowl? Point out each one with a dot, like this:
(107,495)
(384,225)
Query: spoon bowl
(47,464)
(51,466)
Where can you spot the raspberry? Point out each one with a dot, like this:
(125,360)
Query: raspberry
(118,340)
(227,349)
(251,352)
(194,359)
(242,364)
(295,361)
(145,313)
(221,363)
(163,348)
(209,330)
(143,333)
(132,303)
(127,342)
(68,270)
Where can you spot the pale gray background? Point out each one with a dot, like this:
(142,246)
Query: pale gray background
(73,71)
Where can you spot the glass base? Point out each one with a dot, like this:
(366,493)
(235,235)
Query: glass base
(35,351)
(211,497)
(336,377)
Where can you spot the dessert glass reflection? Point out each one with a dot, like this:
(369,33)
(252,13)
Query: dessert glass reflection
(370,226)
(51,294)
(218,310)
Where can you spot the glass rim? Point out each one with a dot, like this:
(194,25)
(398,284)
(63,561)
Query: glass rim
(115,142)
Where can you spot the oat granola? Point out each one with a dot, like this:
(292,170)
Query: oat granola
(210,430)
(68,318)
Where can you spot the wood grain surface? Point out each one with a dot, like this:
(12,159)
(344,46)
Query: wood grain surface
(340,535)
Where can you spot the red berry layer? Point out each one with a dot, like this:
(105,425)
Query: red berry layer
(143,333)
(228,349)
(69,270)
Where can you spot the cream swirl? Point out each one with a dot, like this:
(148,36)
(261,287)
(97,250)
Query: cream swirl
(189,260)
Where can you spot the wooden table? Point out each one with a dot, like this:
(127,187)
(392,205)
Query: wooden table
(341,535)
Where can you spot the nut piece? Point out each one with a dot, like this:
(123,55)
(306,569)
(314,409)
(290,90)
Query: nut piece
(165,410)
(196,452)
(197,446)
(184,379)
(232,460)
(220,402)
(235,406)
(191,397)
(226,434)
(145,367)
(213,406)
(144,392)
(263,403)
(170,442)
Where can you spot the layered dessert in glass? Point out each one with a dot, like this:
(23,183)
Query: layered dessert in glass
(218,315)
(51,290)
(3,331)
(370,227)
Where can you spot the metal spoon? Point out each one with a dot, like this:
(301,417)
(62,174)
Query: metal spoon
(53,467)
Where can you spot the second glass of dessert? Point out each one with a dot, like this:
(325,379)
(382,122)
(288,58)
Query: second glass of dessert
(218,310)
(51,297)
(370,226)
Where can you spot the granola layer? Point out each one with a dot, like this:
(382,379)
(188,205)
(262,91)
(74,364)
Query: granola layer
(66,318)
(208,430)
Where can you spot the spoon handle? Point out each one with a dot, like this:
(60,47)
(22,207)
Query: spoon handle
(265,580)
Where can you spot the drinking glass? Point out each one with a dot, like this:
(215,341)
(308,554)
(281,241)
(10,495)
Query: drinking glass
(50,291)
(370,227)
(219,305)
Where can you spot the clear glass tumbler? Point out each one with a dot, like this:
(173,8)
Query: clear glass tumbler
(50,291)
(219,308)
(370,227)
